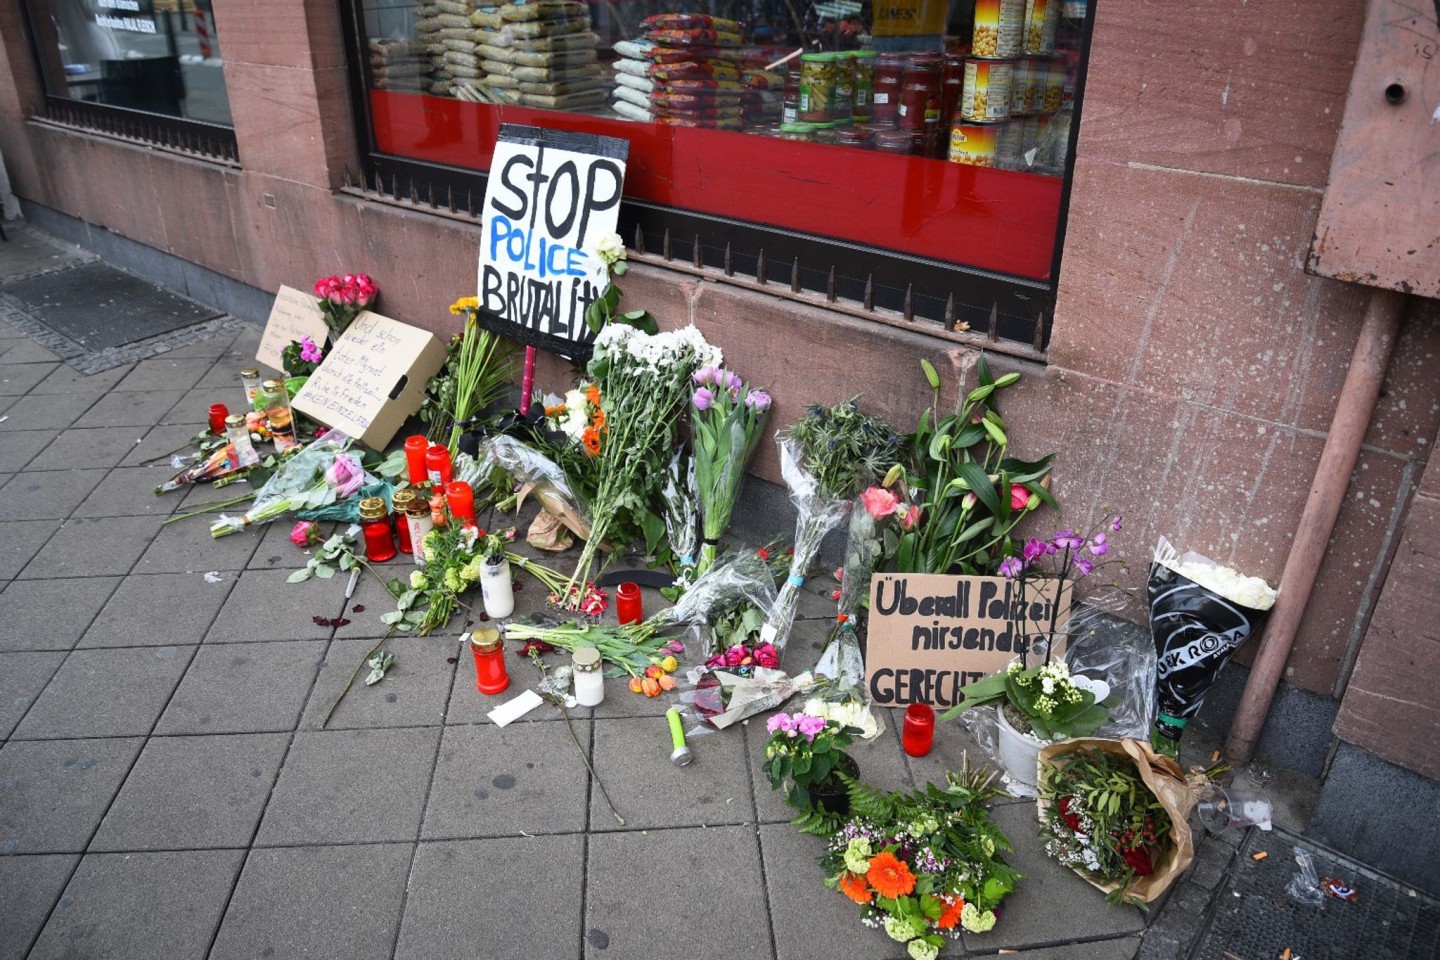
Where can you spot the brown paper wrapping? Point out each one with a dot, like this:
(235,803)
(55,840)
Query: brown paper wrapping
(1165,779)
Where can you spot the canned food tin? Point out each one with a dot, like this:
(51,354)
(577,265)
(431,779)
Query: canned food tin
(1041,18)
(1008,139)
(817,87)
(986,95)
(864,66)
(973,143)
(1022,85)
(1052,97)
(999,28)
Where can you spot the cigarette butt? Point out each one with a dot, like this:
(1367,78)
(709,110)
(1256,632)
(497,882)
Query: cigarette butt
(1257,857)
(1215,756)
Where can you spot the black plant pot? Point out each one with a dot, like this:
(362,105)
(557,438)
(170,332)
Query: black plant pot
(833,796)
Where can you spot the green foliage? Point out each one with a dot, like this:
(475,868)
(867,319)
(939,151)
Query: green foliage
(845,449)
(339,551)
(798,764)
(1063,712)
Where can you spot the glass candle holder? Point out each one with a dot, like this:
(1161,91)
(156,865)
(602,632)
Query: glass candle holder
(218,414)
(401,501)
(628,605)
(375,524)
(589,679)
(437,465)
(275,402)
(490,675)
(417,519)
(918,734)
(250,380)
(415,449)
(461,501)
(497,590)
(239,434)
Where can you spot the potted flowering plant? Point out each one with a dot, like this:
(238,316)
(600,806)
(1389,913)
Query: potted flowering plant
(806,757)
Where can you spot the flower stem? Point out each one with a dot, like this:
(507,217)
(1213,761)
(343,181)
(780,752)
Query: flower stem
(353,674)
(210,508)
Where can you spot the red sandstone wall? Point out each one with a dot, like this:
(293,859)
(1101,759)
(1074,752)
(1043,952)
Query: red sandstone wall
(1193,365)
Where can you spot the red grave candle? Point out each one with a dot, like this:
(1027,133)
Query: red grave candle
(461,500)
(437,464)
(628,605)
(218,413)
(415,448)
(490,675)
(918,734)
(375,524)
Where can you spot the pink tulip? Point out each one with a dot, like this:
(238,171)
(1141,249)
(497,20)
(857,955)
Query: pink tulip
(1019,496)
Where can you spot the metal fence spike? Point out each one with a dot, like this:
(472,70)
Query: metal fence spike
(950,311)
(665,250)
(830,286)
(760,268)
(729,260)
(909,308)
(870,292)
(993,334)
(696,256)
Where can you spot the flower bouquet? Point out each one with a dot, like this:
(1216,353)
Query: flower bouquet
(678,496)
(1200,614)
(342,297)
(1115,812)
(453,556)
(477,371)
(644,382)
(320,474)
(805,756)
(827,458)
(727,419)
(922,864)
(507,463)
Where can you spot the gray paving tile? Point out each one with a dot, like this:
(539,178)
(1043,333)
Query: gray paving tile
(497,781)
(157,609)
(243,688)
(47,494)
(953,747)
(264,607)
(632,758)
(56,791)
(106,693)
(193,406)
(94,547)
(207,349)
(158,444)
(187,793)
(92,447)
(140,906)
(317,902)
(45,412)
(276,552)
(23,539)
(881,762)
(22,446)
(29,887)
(351,786)
(166,372)
(224,376)
(631,876)
(371,594)
(140,408)
(412,694)
(1119,948)
(50,614)
(66,379)
(187,547)
(810,920)
(25,351)
(1051,904)
(17,378)
(129,492)
(528,909)
(24,676)
(468,705)
(198,495)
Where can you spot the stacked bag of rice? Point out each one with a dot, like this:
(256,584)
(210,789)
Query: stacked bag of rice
(684,71)
(396,64)
(539,53)
(435,79)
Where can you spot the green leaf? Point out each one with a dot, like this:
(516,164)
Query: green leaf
(324,571)
(392,618)
(930,373)
(299,576)
(974,475)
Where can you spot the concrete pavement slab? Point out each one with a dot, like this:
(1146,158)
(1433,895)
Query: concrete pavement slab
(193,406)
(23,539)
(158,444)
(632,758)
(655,895)
(141,408)
(47,494)
(1050,905)
(87,447)
(412,694)
(317,902)
(351,786)
(1118,948)
(128,492)
(21,447)
(52,412)
(106,693)
(243,688)
(186,546)
(277,552)
(496,781)
(24,676)
(55,792)
(67,380)
(211,348)
(522,898)
(154,609)
(25,351)
(29,887)
(167,372)
(51,614)
(262,606)
(140,906)
(190,793)
(469,705)
(93,547)
(16,379)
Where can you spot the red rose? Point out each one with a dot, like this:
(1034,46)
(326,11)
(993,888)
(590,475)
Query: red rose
(1138,860)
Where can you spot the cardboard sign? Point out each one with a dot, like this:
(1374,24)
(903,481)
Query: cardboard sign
(931,634)
(294,315)
(372,379)
(552,195)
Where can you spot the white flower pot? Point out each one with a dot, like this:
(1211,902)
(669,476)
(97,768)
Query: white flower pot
(1019,753)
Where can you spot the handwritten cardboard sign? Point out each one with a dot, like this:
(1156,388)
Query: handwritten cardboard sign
(931,634)
(372,379)
(294,315)
(552,195)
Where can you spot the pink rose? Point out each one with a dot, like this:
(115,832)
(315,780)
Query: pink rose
(304,533)
(345,475)
(910,519)
(767,656)
(1019,496)
(735,656)
(879,502)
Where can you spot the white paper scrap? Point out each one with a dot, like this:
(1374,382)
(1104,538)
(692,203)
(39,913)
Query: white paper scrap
(515,709)
(213,577)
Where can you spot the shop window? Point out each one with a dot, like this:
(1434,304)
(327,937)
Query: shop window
(144,68)
(910,153)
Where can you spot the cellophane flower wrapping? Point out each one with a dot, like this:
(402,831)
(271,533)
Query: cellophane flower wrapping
(526,467)
(727,420)
(1201,612)
(679,498)
(817,513)
(740,578)
(304,481)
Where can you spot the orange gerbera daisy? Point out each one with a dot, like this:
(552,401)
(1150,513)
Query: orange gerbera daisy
(853,886)
(889,876)
(951,914)
(591,439)
(592,393)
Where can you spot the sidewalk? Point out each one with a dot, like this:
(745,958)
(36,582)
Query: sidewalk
(166,790)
